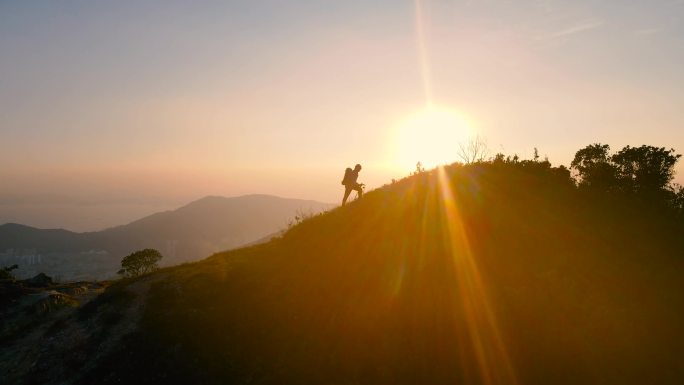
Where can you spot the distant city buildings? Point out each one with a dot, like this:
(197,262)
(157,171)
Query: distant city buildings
(85,265)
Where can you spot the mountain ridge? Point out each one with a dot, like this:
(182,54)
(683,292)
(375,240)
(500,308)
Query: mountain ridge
(201,227)
(200,200)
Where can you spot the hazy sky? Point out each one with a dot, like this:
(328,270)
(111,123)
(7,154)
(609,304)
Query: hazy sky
(110,110)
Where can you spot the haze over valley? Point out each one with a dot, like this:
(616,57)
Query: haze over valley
(186,234)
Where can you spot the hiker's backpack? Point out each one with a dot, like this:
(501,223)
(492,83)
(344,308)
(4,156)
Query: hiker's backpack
(347,176)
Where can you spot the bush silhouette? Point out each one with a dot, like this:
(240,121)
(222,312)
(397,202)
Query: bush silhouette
(6,272)
(140,262)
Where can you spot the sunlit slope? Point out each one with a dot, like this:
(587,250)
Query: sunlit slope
(484,274)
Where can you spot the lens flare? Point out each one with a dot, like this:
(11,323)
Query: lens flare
(487,344)
(430,136)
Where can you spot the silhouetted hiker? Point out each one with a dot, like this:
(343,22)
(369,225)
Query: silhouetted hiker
(350,184)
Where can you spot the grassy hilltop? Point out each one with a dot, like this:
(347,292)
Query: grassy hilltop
(502,272)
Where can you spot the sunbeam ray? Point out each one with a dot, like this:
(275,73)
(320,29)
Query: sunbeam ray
(423,53)
(487,344)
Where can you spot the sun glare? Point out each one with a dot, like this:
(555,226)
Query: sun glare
(430,136)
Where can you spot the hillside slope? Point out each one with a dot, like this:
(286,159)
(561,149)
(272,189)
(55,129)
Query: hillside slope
(476,275)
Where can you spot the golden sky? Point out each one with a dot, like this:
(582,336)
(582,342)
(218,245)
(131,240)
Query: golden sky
(152,104)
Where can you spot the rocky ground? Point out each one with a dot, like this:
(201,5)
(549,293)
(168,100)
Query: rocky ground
(30,312)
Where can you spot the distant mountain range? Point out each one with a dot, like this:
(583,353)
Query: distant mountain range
(188,233)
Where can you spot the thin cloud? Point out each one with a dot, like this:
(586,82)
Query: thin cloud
(647,31)
(577,28)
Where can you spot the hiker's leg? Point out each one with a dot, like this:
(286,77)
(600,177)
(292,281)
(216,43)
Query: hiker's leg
(347,191)
(359,190)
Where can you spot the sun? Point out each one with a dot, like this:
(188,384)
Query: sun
(430,136)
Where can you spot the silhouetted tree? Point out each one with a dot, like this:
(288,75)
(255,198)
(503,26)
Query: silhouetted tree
(595,168)
(645,169)
(140,262)
(644,172)
(473,151)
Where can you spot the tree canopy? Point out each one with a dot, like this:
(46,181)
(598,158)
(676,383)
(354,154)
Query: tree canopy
(646,170)
(140,262)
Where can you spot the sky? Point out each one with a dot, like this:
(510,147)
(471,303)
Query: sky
(114,110)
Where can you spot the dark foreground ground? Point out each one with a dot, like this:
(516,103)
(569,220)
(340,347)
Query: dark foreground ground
(459,277)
